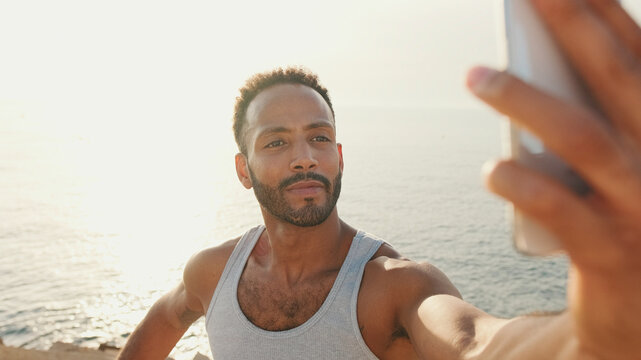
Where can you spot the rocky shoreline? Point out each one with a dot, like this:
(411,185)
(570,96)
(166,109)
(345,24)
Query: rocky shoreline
(64,351)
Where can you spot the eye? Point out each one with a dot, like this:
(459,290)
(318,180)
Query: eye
(275,143)
(320,138)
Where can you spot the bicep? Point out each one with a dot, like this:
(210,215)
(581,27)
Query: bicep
(184,304)
(445,327)
(180,307)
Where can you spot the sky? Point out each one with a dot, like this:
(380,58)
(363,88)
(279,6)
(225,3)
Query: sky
(123,61)
(399,52)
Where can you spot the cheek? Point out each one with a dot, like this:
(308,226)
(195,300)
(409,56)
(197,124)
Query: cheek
(335,159)
(264,169)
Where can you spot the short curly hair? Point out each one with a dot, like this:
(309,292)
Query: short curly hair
(262,81)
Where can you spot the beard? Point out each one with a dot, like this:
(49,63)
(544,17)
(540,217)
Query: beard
(273,199)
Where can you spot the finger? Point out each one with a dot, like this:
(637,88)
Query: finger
(612,73)
(575,134)
(620,23)
(577,226)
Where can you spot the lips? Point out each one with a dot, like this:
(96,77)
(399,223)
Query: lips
(301,178)
(306,187)
(305,184)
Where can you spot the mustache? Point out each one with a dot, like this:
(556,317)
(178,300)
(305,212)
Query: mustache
(304,176)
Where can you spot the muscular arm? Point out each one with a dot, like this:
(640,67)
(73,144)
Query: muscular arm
(172,314)
(163,326)
(445,327)
(441,326)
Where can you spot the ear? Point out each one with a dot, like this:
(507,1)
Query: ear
(242,170)
(339,146)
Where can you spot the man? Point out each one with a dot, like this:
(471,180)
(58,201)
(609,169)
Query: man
(307,285)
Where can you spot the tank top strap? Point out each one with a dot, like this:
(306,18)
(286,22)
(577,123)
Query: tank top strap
(362,251)
(236,261)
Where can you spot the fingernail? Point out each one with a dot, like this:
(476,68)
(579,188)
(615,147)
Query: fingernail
(479,79)
(487,168)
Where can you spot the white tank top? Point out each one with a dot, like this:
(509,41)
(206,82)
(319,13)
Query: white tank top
(331,333)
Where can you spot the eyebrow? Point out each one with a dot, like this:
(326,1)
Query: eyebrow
(319,124)
(282,129)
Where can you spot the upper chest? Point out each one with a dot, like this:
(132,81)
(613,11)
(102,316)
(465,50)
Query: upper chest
(277,308)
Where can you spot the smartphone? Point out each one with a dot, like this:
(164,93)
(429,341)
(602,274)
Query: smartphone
(531,54)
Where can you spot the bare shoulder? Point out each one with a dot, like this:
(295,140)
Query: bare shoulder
(389,268)
(391,288)
(204,269)
(410,278)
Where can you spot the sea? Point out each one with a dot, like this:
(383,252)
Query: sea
(97,219)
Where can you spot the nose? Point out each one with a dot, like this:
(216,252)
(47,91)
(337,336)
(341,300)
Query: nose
(303,158)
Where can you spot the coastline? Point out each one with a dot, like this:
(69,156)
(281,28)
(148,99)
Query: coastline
(65,351)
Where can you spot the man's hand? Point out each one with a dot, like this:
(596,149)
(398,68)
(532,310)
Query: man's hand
(601,233)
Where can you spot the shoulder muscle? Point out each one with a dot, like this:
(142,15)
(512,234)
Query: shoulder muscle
(412,279)
(204,269)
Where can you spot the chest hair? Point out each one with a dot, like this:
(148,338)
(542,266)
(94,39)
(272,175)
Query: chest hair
(276,309)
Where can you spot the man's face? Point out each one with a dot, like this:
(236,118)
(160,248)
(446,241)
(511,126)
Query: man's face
(293,161)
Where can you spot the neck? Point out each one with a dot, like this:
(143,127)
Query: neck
(297,253)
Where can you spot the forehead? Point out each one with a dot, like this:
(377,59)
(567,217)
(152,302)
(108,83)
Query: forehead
(287,105)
